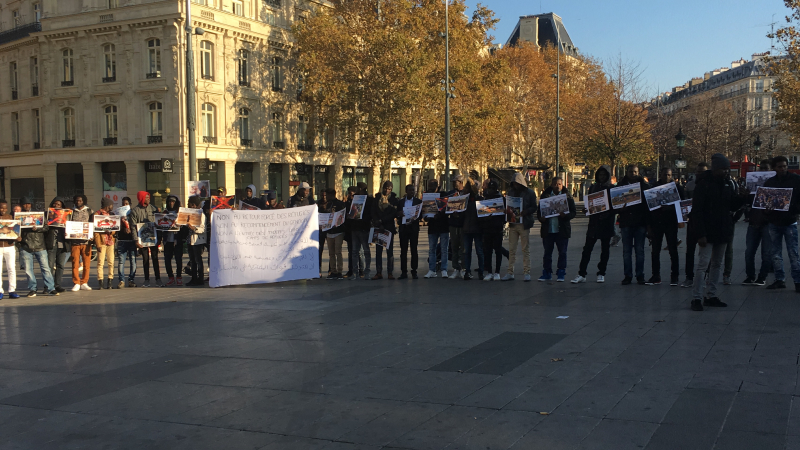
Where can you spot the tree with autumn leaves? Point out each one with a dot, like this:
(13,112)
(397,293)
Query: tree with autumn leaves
(786,68)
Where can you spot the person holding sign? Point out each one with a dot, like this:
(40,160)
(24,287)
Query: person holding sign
(251,199)
(300,198)
(757,235)
(8,255)
(104,241)
(456,224)
(519,226)
(472,233)
(409,234)
(359,228)
(384,211)
(556,232)
(335,236)
(173,244)
(492,230)
(33,246)
(58,248)
(601,228)
(81,249)
(438,236)
(633,224)
(126,245)
(144,213)
(196,241)
(783,224)
(664,225)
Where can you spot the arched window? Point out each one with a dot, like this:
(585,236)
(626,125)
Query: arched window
(68,116)
(277,74)
(277,130)
(208,123)
(244,127)
(153,58)
(111,125)
(207,60)
(155,122)
(69,71)
(110,63)
(244,77)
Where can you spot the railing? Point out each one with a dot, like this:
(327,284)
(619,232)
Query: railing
(68,143)
(19,32)
(14,95)
(106,18)
(34,90)
(109,79)
(68,83)
(247,142)
(110,141)
(733,93)
(153,75)
(244,83)
(207,15)
(155,139)
(37,145)
(209,139)
(278,144)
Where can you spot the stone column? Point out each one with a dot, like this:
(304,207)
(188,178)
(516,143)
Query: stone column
(228,171)
(50,182)
(261,175)
(135,178)
(92,183)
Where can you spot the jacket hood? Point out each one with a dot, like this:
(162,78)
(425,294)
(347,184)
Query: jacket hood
(520,179)
(60,199)
(177,203)
(252,189)
(607,169)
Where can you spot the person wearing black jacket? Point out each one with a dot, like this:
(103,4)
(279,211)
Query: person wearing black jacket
(633,224)
(601,228)
(251,199)
(359,228)
(471,231)
(173,244)
(664,225)
(555,232)
(782,224)
(455,222)
(33,246)
(126,248)
(409,234)
(384,211)
(352,265)
(438,236)
(691,239)
(334,236)
(757,234)
(492,230)
(715,198)
(58,248)
(323,235)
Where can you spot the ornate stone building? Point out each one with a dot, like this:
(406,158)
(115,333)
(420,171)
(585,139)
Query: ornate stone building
(92,99)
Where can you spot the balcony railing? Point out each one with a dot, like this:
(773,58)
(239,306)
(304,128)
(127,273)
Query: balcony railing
(247,142)
(19,32)
(278,144)
(110,141)
(14,95)
(155,139)
(306,147)
(16,147)
(37,145)
(68,83)
(244,83)
(34,90)
(273,3)
(109,79)
(153,75)
(68,143)
(209,139)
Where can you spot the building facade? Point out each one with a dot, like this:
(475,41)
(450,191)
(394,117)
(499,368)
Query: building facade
(94,100)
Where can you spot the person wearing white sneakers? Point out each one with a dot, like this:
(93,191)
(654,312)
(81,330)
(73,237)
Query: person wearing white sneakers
(438,236)
(519,226)
(456,223)
(492,228)
(601,228)
(81,248)
(556,232)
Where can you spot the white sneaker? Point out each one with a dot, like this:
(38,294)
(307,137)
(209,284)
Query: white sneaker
(84,287)
(508,277)
(527,277)
(444,274)
(579,279)
(76,288)
(601,279)
(488,277)
(497,277)
(430,274)
(461,273)
(454,275)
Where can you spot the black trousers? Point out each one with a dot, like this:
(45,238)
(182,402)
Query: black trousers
(409,236)
(493,241)
(173,251)
(691,246)
(323,236)
(147,253)
(671,235)
(586,256)
(196,262)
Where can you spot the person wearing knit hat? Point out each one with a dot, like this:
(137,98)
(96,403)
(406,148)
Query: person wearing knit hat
(144,212)
(104,241)
(715,198)
(783,224)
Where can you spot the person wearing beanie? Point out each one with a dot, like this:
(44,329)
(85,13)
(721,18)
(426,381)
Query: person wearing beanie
(81,249)
(104,241)
(783,224)
(144,212)
(715,198)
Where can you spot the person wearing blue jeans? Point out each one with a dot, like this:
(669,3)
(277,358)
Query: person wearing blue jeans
(33,246)
(633,241)
(126,250)
(438,236)
(783,223)
(633,225)
(471,231)
(555,230)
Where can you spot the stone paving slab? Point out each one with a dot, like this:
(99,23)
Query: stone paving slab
(412,364)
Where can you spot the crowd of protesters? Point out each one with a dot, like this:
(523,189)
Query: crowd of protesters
(718,201)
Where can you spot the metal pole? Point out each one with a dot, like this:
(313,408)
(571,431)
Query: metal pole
(190,95)
(446,97)
(558,101)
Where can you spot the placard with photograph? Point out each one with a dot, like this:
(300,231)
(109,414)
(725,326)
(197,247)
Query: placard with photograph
(597,202)
(515,205)
(756,179)
(429,208)
(411,213)
(200,188)
(682,210)
(357,207)
(629,194)
(30,219)
(78,230)
(491,207)
(338,218)
(663,195)
(325,221)
(777,199)
(166,221)
(222,202)
(146,232)
(106,223)
(189,216)
(379,237)
(554,206)
(457,203)
(248,207)
(58,217)
(123,210)
(9,229)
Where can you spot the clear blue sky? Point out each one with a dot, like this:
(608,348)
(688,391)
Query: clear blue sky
(672,40)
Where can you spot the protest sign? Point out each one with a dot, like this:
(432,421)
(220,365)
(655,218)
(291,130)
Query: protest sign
(78,230)
(338,218)
(683,208)
(756,179)
(553,206)
(166,221)
(189,216)
(379,237)
(115,196)
(490,207)
(457,203)
(200,188)
(30,219)
(325,221)
(9,229)
(515,205)
(106,223)
(411,213)
(357,207)
(146,234)
(628,194)
(254,247)
(429,208)
(777,199)
(58,217)
(597,202)
(122,210)
(663,195)
(248,207)
(220,202)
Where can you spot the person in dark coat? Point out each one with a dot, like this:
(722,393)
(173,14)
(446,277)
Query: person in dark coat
(633,224)
(715,198)
(783,224)
(359,230)
(251,199)
(555,232)
(601,228)
(492,229)
(471,232)
(757,234)
(438,236)
(409,234)
(691,239)
(384,212)
(58,248)
(664,225)
(300,198)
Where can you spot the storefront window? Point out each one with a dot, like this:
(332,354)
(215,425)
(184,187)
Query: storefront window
(33,188)
(210,173)
(398,187)
(114,176)
(69,182)
(320,180)
(276,179)
(156,184)
(244,176)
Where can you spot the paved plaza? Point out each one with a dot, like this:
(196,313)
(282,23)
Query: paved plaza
(423,364)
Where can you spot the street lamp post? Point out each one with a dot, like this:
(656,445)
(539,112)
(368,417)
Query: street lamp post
(757,148)
(558,100)
(680,140)
(446,97)
(190,95)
